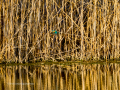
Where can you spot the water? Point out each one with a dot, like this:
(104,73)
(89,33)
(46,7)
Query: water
(60,76)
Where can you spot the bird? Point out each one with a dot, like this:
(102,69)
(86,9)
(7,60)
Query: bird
(55,32)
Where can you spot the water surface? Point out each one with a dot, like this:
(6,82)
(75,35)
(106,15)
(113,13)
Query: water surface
(60,76)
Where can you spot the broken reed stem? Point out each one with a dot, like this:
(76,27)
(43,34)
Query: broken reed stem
(87,30)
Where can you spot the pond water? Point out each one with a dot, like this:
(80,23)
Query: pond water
(60,76)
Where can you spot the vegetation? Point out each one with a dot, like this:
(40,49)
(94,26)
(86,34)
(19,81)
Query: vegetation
(88,29)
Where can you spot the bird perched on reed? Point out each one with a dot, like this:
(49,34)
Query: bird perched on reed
(54,35)
(55,32)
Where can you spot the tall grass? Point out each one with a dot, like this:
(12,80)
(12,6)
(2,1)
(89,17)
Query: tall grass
(89,29)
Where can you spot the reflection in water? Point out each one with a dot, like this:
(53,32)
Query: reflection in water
(61,77)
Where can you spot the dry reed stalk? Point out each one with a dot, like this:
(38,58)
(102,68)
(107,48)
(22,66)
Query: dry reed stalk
(117,8)
(12,23)
(43,23)
(33,30)
(76,54)
(81,30)
(94,27)
(1,22)
(28,34)
(65,27)
(37,51)
(91,31)
(6,30)
(21,33)
(48,35)
(16,29)
(71,4)
(115,26)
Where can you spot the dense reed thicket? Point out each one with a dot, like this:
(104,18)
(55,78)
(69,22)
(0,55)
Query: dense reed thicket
(61,77)
(88,29)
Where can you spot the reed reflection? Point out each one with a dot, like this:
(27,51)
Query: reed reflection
(61,77)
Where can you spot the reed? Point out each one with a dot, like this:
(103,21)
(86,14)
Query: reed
(88,29)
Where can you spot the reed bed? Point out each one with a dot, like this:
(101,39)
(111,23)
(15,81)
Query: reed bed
(61,77)
(88,29)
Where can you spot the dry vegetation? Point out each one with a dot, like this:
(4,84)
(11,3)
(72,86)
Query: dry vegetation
(89,29)
(61,77)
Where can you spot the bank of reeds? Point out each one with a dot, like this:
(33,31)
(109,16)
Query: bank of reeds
(89,29)
(61,77)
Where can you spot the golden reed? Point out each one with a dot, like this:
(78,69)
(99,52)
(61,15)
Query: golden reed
(88,29)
